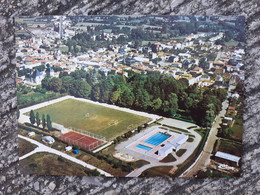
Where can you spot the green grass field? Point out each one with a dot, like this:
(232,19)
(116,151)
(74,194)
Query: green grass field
(25,147)
(43,163)
(230,147)
(100,120)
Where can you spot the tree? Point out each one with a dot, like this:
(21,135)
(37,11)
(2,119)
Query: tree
(154,48)
(46,83)
(67,84)
(49,123)
(228,36)
(38,120)
(173,100)
(157,103)
(81,89)
(43,121)
(32,117)
(55,84)
(210,116)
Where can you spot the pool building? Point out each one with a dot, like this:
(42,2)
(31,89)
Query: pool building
(173,145)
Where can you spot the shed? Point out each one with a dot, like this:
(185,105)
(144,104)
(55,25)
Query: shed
(76,151)
(227,156)
(31,133)
(68,148)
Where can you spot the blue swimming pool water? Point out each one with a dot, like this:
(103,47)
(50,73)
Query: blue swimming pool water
(143,147)
(157,139)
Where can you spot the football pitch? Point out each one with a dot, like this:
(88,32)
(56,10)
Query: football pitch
(100,120)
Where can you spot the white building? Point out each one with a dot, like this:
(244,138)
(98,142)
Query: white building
(31,133)
(227,156)
(173,145)
(68,148)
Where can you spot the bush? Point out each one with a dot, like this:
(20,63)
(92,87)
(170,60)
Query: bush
(190,139)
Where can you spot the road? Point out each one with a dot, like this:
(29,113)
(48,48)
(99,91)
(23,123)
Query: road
(43,148)
(204,159)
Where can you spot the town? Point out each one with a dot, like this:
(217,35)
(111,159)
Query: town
(150,95)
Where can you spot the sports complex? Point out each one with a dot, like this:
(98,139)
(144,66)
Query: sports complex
(93,125)
(86,123)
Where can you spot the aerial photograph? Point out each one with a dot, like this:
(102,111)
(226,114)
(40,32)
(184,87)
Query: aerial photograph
(130,96)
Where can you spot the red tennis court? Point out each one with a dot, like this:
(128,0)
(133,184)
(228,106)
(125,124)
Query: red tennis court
(83,141)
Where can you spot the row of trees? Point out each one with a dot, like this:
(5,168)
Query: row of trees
(40,120)
(152,92)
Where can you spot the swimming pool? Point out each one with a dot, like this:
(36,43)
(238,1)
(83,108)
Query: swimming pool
(157,139)
(143,147)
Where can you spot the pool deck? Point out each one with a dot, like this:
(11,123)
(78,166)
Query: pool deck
(141,140)
(129,146)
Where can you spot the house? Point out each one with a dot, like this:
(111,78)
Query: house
(48,139)
(228,120)
(231,108)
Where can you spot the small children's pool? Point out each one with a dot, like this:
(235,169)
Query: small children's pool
(143,147)
(157,139)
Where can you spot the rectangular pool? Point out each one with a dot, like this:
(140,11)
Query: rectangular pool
(157,139)
(143,147)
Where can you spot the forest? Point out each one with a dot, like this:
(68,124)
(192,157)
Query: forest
(152,92)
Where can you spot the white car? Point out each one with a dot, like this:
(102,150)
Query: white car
(48,139)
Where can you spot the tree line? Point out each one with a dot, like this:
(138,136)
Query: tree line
(35,118)
(152,92)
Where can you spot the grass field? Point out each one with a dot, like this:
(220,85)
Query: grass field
(91,117)
(49,164)
(162,171)
(25,147)
(230,147)
(168,158)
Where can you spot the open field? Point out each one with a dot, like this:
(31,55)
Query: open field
(25,147)
(237,129)
(49,164)
(100,120)
(230,147)
(162,171)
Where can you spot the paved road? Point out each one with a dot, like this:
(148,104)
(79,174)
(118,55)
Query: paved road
(43,148)
(204,159)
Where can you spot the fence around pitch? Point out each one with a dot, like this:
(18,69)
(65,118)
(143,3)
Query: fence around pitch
(83,145)
(90,134)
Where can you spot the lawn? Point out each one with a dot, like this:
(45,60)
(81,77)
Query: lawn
(168,158)
(50,164)
(180,152)
(100,120)
(230,147)
(25,147)
(162,171)
(237,129)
